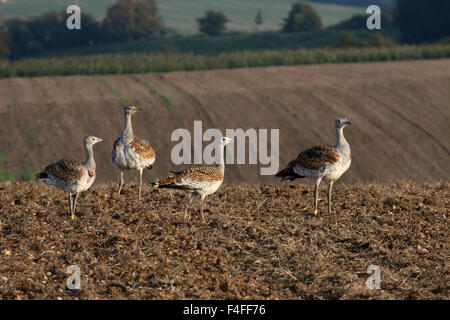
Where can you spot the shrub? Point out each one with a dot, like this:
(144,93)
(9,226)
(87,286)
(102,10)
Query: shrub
(213,23)
(129,20)
(302,17)
(349,40)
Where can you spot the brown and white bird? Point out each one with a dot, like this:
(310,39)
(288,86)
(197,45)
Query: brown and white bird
(131,152)
(321,163)
(201,181)
(72,176)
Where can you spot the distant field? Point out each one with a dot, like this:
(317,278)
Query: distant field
(181,14)
(399,112)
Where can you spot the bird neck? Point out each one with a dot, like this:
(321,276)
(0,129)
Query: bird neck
(341,142)
(127,133)
(221,163)
(90,162)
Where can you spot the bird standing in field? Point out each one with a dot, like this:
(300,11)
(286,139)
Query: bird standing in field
(72,176)
(131,152)
(321,163)
(201,181)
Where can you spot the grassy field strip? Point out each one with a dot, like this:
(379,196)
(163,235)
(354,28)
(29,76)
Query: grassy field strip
(122,99)
(161,62)
(222,44)
(165,97)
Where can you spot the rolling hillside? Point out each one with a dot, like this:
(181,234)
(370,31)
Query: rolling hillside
(400,113)
(181,15)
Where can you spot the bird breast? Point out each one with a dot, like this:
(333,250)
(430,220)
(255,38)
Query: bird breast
(126,158)
(203,187)
(336,170)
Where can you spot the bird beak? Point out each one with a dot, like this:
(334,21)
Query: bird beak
(99,140)
(139,109)
(348,123)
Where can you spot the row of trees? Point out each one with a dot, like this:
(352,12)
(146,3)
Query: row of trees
(126,20)
(131,20)
(418,20)
(302,17)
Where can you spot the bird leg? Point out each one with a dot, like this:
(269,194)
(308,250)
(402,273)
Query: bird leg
(140,183)
(120,183)
(329,196)
(187,205)
(70,206)
(74,205)
(201,208)
(316,192)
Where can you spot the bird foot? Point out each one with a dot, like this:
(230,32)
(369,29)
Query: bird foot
(315,212)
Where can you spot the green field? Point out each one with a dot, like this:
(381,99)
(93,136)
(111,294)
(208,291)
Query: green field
(181,14)
(163,62)
(228,43)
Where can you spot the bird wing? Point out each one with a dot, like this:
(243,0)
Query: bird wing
(65,171)
(191,178)
(142,148)
(316,157)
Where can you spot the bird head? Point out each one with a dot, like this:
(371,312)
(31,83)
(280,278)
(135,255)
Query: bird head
(91,140)
(225,141)
(341,122)
(131,109)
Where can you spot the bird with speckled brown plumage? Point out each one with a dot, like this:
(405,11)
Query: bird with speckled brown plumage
(321,163)
(72,176)
(201,181)
(131,152)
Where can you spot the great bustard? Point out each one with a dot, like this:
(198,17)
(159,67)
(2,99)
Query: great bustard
(321,162)
(201,181)
(131,152)
(72,176)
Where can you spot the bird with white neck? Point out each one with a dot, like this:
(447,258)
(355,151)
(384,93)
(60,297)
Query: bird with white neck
(130,152)
(198,181)
(322,163)
(72,176)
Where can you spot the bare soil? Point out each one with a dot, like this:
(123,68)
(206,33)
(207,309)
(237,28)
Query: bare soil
(400,113)
(259,242)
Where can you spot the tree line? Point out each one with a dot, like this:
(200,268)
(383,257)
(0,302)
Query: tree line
(419,21)
(126,20)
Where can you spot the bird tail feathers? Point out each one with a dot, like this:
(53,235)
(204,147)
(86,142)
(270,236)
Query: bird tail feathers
(288,174)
